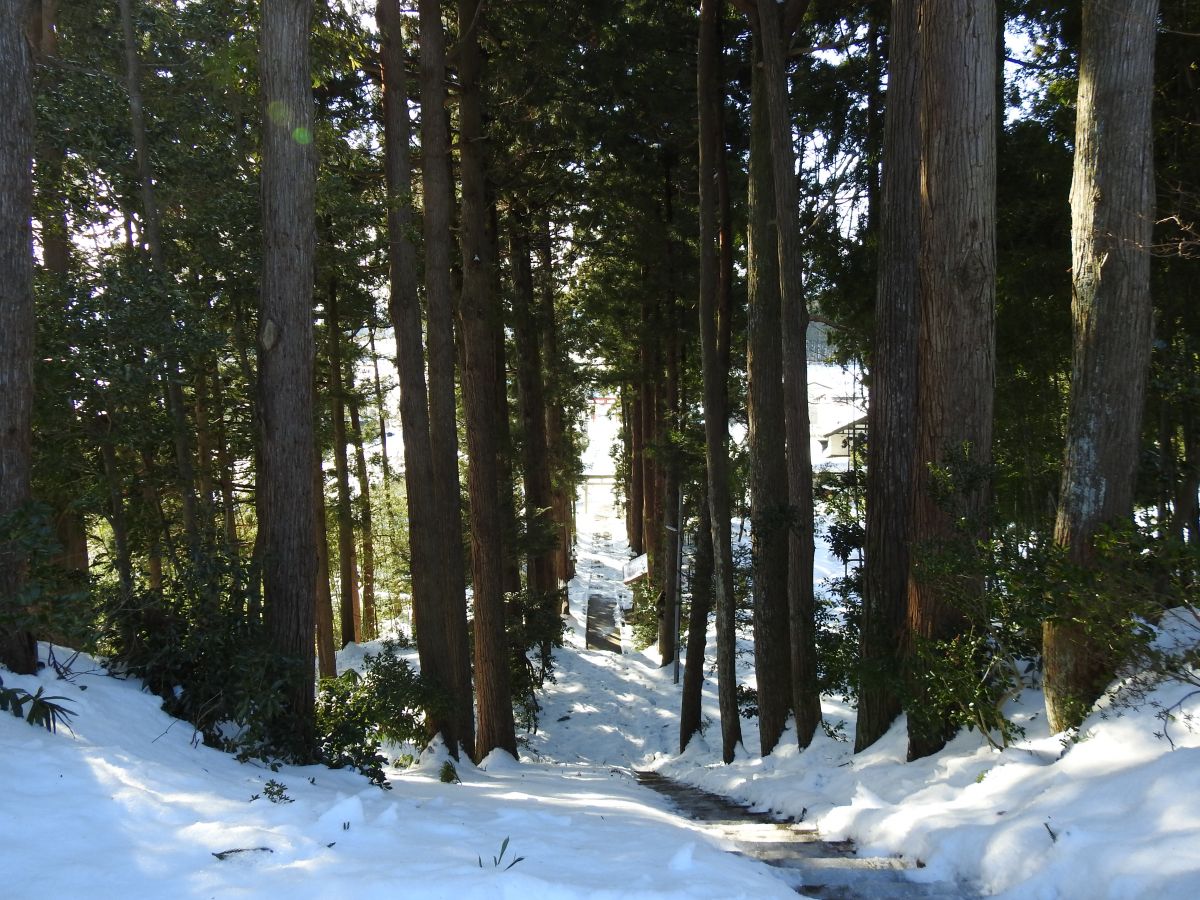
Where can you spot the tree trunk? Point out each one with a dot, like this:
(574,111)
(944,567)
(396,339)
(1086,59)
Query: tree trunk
(956,345)
(326,649)
(285,354)
(716,414)
(891,422)
(380,401)
(801,607)
(18,649)
(690,714)
(1112,216)
(438,195)
(557,430)
(527,327)
(370,625)
(348,569)
(631,406)
(430,557)
(768,463)
(479,311)
(668,637)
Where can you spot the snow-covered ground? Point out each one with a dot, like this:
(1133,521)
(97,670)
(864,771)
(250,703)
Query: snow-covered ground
(129,806)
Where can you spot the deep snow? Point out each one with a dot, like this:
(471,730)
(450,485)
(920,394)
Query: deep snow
(128,805)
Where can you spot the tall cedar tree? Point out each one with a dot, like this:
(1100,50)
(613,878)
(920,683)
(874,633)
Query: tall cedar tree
(527,331)
(285,353)
(1112,217)
(716,416)
(18,650)
(892,410)
(479,310)
(956,346)
(430,589)
(768,461)
(775,25)
(438,195)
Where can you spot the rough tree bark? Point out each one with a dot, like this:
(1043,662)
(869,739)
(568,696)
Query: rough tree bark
(527,327)
(716,414)
(1112,217)
(285,353)
(431,589)
(956,344)
(768,463)
(18,649)
(479,310)
(891,414)
(773,29)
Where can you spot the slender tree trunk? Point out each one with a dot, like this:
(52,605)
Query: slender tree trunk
(380,401)
(326,649)
(438,195)
(1112,218)
(637,492)
(892,411)
(690,714)
(370,625)
(716,414)
(801,607)
(18,649)
(558,439)
(479,311)
(648,405)
(285,353)
(432,597)
(527,325)
(225,475)
(956,346)
(768,463)
(348,569)
(668,637)
(506,475)
(205,452)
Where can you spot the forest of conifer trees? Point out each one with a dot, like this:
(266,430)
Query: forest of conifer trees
(301,304)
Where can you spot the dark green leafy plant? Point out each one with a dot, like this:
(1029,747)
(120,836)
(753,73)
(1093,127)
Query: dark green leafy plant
(357,713)
(497,860)
(44,710)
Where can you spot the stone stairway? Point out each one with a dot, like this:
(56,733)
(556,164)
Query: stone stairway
(828,870)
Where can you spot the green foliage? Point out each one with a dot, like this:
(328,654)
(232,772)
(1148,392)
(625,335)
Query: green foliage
(276,792)
(496,860)
(533,637)
(448,774)
(644,615)
(357,713)
(52,602)
(194,647)
(45,710)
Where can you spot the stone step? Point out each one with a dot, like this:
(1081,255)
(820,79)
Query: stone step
(826,870)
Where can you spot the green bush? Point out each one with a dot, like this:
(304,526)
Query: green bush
(357,713)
